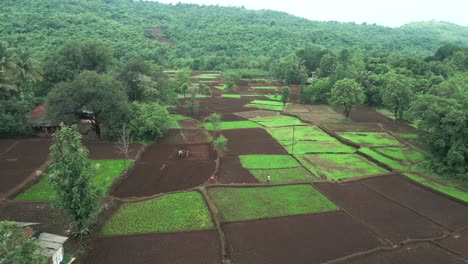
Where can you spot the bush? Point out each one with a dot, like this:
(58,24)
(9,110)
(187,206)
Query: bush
(148,121)
(14,118)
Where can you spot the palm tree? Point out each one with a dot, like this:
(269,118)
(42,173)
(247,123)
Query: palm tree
(26,71)
(7,71)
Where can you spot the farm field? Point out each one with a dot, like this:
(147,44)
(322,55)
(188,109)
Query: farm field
(296,185)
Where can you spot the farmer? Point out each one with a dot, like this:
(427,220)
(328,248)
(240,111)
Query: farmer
(268,178)
(180,154)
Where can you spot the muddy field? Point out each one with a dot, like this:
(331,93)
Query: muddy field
(188,247)
(231,171)
(370,115)
(186,136)
(439,209)
(457,242)
(216,105)
(251,141)
(298,239)
(108,150)
(389,219)
(160,170)
(19,159)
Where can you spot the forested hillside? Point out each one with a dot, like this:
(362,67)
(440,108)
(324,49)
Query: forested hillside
(202,37)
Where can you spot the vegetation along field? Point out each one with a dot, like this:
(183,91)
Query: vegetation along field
(181,133)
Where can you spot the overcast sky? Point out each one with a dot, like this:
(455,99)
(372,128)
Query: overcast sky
(391,13)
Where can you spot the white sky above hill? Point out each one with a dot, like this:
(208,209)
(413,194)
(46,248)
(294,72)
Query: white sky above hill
(392,13)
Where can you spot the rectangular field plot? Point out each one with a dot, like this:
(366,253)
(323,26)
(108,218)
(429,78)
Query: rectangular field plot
(156,248)
(268,161)
(283,175)
(247,203)
(264,87)
(370,139)
(251,141)
(106,172)
(315,238)
(389,219)
(404,154)
(457,242)
(232,125)
(440,184)
(394,164)
(277,121)
(266,104)
(339,166)
(168,213)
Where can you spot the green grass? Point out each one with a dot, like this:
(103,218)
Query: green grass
(446,188)
(339,166)
(235,204)
(387,161)
(268,161)
(266,107)
(264,88)
(277,121)
(168,213)
(283,175)
(232,125)
(221,87)
(303,147)
(266,102)
(370,138)
(274,97)
(308,132)
(236,96)
(176,117)
(106,172)
(188,96)
(407,135)
(404,154)
(208,76)
(386,113)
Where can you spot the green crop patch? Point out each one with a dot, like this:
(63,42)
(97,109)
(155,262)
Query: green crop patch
(208,76)
(339,166)
(169,213)
(264,87)
(268,161)
(372,139)
(237,204)
(174,118)
(385,160)
(404,154)
(277,121)
(187,96)
(408,135)
(236,96)
(222,87)
(303,147)
(266,107)
(274,97)
(309,132)
(106,172)
(232,125)
(297,174)
(266,102)
(440,184)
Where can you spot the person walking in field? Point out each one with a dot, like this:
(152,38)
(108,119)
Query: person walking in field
(268,178)
(180,154)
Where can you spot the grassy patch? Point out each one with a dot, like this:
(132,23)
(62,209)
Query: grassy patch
(106,172)
(174,118)
(408,135)
(232,125)
(387,161)
(237,96)
(339,166)
(447,188)
(373,139)
(268,161)
(277,121)
(274,97)
(266,107)
(237,204)
(404,154)
(303,147)
(188,96)
(221,87)
(266,102)
(264,88)
(283,175)
(386,113)
(168,213)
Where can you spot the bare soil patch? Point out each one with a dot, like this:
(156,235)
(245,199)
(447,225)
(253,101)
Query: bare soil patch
(188,247)
(189,123)
(20,159)
(160,170)
(436,207)
(457,242)
(186,136)
(389,219)
(108,150)
(353,127)
(256,113)
(297,239)
(370,115)
(252,141)
(426,253)
(231,171)
(215,105)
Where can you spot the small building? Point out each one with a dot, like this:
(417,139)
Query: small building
(40,124)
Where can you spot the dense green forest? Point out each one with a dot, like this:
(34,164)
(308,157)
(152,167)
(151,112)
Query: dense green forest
(107,57)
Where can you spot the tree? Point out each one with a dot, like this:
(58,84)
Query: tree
(16,248)
(148,121)
(397,94)
(123,144)
(95,56)
(70,175)
(26,71)
(318,92)
(15,122)
(7,71)
(348,94)
(285,95)
(294,71)
(192,105)
(215,120)
(184,88)
(182,76)
(220,145)
(101,97)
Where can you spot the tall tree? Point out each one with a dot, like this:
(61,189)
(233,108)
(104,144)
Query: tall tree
(397,93)
(70,175)
(27,71)
(348,94)
(7,71)
(285,92)
(16,248)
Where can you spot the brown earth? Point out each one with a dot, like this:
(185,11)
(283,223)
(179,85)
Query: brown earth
(252,141)
(35,212)
(353,127)
(160,170)
(298,239)
(426,253)
(20,159)
(186,136)
(108,150)
(231,171)
(439,209)
(370,115)
(389,219)
(457,242)
(256,113)
(188,247)
(215,105)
